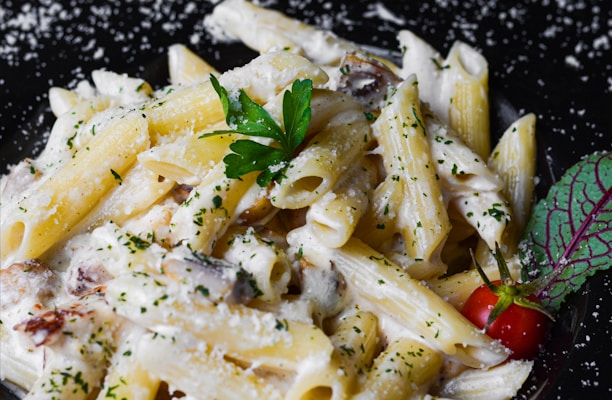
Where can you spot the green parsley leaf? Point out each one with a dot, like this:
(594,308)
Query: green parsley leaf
(246,117)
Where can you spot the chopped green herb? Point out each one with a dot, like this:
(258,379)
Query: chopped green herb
(282,325)
(439,65)
(203,289)
(116,176)
(217,201)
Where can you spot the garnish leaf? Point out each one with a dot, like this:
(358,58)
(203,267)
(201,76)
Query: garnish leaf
(246,117)
(297,112)
(569,236)
(250,156)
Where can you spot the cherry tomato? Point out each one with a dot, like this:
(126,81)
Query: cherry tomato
(520,329)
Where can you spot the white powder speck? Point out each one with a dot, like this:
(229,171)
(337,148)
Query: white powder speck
(99,53)
(601,43)
(572,61)
(380,11)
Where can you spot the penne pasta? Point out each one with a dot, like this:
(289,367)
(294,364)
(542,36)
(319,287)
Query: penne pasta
(127,376)
(317,168)
(268,263)
(513,159)
(469,108)
(195,108)
(210,209)
(406,368)
(498,383)
(422,219)
(404,299)
(455,87)
(265,30)
(182,364)
(44,217)
(334,217)
(298,227)
(256,336)
(185,68)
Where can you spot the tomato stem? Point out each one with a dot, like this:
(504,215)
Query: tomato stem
(509,292)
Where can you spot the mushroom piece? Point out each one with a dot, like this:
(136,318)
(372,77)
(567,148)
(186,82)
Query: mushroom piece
(85,276)
(366,79)
(217,279)
(325,288)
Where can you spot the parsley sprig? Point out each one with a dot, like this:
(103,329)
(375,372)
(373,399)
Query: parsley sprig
(245,116)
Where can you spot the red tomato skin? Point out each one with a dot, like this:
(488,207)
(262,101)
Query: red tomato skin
(520,329)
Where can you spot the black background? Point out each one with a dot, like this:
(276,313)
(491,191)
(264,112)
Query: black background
(552,58)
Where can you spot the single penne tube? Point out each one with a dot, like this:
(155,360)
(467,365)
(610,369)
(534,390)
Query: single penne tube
(498,383)
(210,208)
(378,225)
(389,291)
(422,218)
(186,68)
(459,168)
(255,337)
(334,217)
(127,377)
(405,368)
(267,262)
(139,190)
(47,215)
(468,78)
(487,212)
(264,30)
(197,107)
(317,168)
(189,158)
(513,159)
(356,341)
(195,369)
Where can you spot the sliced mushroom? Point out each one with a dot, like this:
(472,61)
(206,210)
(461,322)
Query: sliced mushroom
(325,287)
(181,193)
(218,280)
(85,276)
(366,79)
